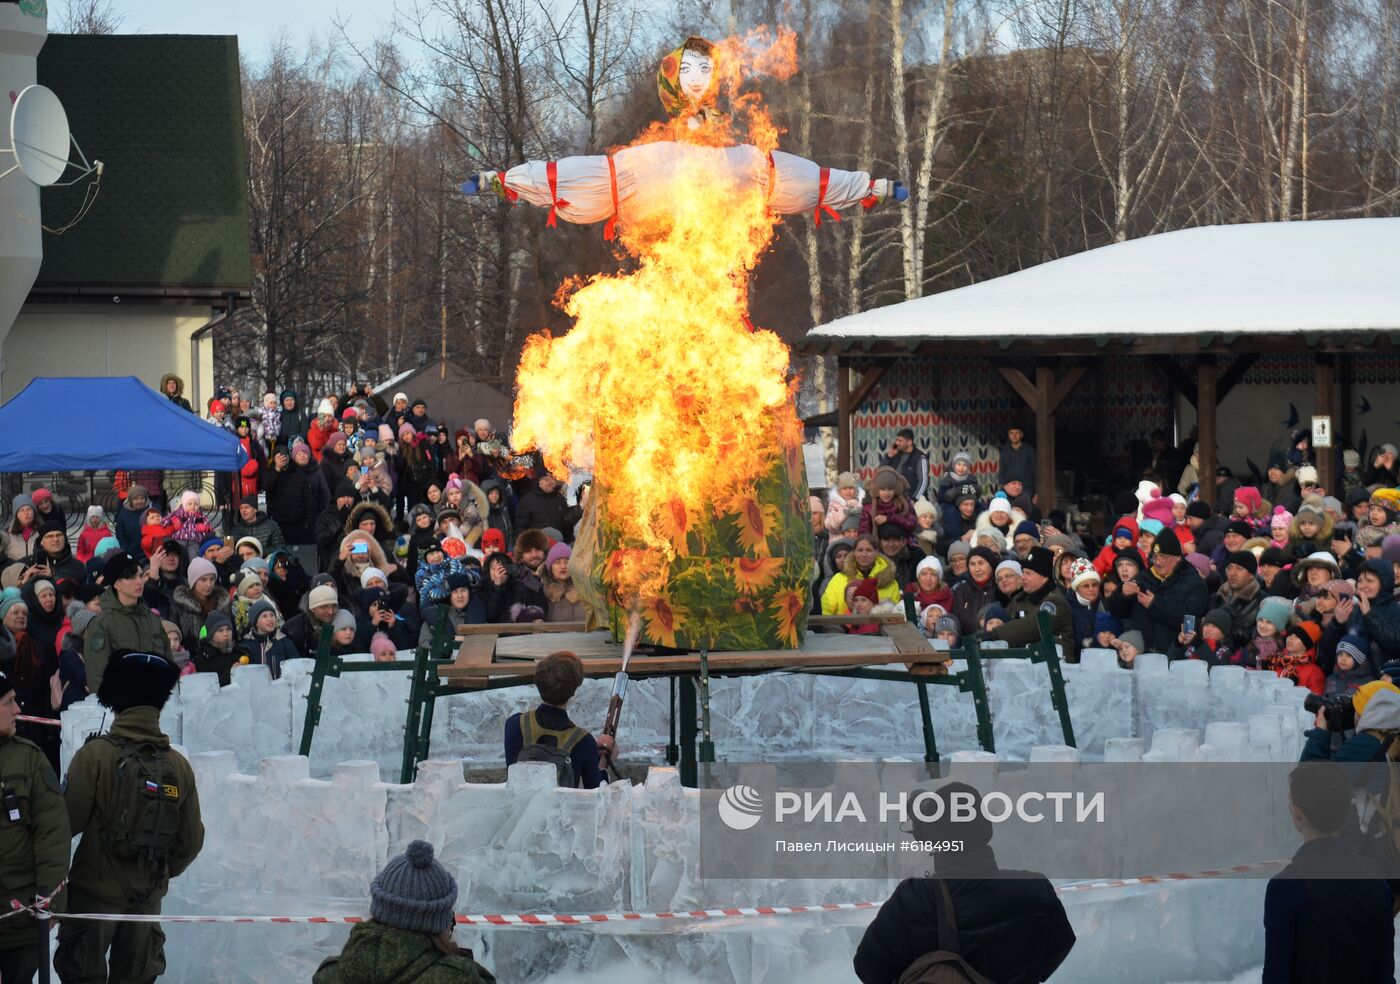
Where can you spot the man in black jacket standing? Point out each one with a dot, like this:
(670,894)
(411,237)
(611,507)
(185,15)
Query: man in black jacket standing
(910,462)
(545,506)
(1327,917)
(1011,929)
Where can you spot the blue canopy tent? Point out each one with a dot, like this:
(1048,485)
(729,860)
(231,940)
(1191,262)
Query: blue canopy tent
(105,423)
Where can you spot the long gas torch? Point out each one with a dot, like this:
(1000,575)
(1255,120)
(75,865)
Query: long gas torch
(619,691)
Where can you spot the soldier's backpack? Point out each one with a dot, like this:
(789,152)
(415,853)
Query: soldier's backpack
(946,964)
(549,746)
(145,815)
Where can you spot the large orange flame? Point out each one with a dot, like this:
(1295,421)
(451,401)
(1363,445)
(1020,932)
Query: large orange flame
(661,388)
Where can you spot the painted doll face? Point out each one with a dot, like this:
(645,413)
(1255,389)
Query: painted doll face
(695,74)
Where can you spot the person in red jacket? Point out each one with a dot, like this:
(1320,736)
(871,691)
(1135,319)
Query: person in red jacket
(1125,535)
(321,428)
(95,529)
(1298,661)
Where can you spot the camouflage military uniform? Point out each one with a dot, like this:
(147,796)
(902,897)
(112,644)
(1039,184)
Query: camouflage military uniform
(376,952)
(101,882)
(33,851)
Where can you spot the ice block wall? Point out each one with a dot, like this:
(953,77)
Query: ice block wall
(759,718)
(288,836)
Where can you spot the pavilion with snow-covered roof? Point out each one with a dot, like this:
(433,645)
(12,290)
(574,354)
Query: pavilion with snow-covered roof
(1153,332)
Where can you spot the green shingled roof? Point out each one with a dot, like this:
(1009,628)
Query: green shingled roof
(164,114)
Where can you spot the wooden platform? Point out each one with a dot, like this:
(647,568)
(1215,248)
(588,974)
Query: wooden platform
(488,656)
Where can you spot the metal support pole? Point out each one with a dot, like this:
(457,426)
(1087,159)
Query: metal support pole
(687,725)
(707,747)
(319,673)
(1058,699)
(412,728)
(422,699)
(673,752)
(930,743)
(977,683)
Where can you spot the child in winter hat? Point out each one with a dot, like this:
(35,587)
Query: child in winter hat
(382,648)
(1279,523)
(1354,667)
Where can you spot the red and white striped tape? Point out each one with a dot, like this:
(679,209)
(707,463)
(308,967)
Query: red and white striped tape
(51,722)
(1238,869)
(727,912)
(521,919)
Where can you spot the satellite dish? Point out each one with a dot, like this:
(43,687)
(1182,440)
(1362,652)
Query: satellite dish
(39,136)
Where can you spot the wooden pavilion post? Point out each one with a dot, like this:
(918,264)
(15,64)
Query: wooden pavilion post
(1205,426)
(848,401)
(1326,458)
(843,415)
(1044,397)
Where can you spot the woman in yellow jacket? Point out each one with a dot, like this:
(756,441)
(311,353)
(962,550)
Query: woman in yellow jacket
(864,560)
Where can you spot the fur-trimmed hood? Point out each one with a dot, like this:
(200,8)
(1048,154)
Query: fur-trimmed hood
(984,521)
(381,515)
(1323,539)
(555,589)
(883,571)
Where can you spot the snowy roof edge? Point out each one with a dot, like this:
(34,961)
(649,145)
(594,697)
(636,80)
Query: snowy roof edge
(1332,276)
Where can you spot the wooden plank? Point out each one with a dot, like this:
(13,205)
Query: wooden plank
(1023,386)
(476,652)
(518,628)
(541,628)
(868,379)
(1178,377)
(1233,374)
(720,663)
(1066,384)
(908,639)
(831,621)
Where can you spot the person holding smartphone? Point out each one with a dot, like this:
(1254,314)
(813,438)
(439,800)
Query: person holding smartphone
(1212,642)
(1157,601)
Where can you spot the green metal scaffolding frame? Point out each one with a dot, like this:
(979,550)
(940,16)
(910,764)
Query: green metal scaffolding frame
(691,743)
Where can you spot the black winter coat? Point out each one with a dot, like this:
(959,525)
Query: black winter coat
(536,510)
(292,504)
(1327,918)
(1184,593)
(1013,930)
(1210,534)
(128,530)
(1382,622)
(968,600)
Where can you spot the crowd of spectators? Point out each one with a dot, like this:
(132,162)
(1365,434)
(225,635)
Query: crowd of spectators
(367,516)
(1277,574)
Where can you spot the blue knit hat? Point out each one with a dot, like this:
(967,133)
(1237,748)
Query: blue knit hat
(1356,647)
(414,892)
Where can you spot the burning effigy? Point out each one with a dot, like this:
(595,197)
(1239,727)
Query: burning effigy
(696,529)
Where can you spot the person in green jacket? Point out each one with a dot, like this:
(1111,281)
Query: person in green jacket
(33,841)
(133,800)
(409,935)
(124,622)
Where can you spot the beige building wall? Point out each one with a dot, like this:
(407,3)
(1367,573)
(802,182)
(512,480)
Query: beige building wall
(145,341)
